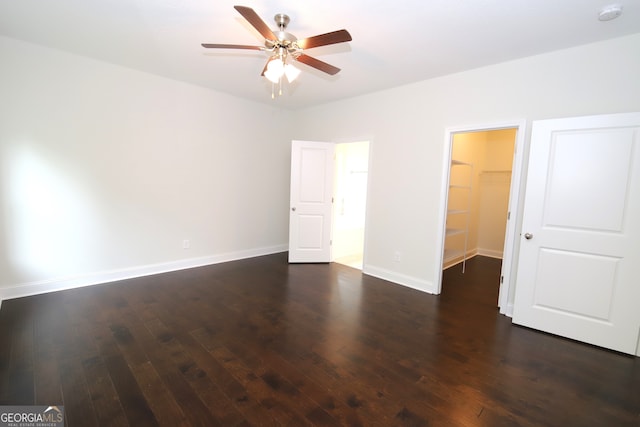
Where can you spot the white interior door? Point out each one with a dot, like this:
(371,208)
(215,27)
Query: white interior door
(312,165)
(580,250)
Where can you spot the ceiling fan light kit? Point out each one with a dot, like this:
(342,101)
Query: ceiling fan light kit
(285,48)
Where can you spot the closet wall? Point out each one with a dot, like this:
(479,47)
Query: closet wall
(491,154)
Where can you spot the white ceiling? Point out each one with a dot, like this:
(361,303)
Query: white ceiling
(394,42)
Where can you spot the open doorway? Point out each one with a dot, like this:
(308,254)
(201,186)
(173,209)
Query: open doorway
(478,200)
(351,178)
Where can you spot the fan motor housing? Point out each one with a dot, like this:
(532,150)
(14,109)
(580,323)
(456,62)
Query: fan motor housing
(285,39)
(282,20)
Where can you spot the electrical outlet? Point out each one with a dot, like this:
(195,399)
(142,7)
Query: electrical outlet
(186,244)
(397,256)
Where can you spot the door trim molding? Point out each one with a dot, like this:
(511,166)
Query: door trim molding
(505,298)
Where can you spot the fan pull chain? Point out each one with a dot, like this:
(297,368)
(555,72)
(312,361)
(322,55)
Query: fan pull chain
(273,89)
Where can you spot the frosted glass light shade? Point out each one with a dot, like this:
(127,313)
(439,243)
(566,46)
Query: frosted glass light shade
(275,70)
(272,76)
(276,66)
(291,72)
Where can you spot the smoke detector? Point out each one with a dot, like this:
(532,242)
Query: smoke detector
(610,12)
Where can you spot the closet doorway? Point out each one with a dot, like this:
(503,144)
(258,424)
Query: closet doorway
(479,189)
(350,200)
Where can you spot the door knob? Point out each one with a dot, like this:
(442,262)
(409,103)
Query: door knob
(293,208)
(528,236)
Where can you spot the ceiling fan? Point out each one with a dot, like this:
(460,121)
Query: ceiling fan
(284,46)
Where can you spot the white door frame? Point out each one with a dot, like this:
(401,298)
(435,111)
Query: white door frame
(511,235)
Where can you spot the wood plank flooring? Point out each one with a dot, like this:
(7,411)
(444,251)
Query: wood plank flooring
(261,342)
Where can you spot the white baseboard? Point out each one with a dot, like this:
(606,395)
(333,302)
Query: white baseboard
(400,279)
(60,284)
(489,253)
(457,259)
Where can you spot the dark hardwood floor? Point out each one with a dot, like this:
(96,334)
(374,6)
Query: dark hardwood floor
(261,342)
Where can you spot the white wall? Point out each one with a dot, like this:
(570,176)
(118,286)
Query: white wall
(104,171)
(406,127)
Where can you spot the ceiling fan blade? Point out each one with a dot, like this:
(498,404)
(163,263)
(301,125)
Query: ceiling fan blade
(257,22)
(317,64)
(334,37)
(230,46)
(264,70)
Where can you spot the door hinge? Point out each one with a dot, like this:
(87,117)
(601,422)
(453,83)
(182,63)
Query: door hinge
(501,279)
(508,215)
